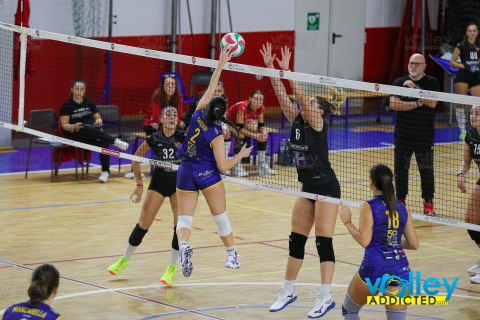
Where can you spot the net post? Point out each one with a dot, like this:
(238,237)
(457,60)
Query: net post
(21,95)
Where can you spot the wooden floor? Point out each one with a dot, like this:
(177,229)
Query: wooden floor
(82,227)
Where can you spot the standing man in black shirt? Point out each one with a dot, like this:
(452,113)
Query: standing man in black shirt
(415,132)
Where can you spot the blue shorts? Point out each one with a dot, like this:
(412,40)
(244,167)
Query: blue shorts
(194,177)
(400,270)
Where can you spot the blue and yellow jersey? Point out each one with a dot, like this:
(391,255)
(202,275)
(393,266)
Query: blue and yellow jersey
(385,247)
(25,310)
(197,147)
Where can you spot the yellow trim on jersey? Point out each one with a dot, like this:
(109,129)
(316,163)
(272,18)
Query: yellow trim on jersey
(214,140)
(186,190)
(368,205)
(358,274)
(213,185)
(60,318)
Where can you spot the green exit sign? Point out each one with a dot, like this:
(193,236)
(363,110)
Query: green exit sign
(313,21)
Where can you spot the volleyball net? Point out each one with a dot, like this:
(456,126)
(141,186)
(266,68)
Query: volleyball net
(39,68)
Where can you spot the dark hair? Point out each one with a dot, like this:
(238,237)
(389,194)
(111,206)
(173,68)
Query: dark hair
(336,97)
(215,111)
(161,95)
(254,92)
(382,178)
(465,43)
(74,83)
(44,280)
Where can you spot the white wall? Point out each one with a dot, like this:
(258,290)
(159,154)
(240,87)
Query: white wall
(389,13)
(153,17)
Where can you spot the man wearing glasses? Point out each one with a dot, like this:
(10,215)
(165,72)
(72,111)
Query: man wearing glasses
(415,131)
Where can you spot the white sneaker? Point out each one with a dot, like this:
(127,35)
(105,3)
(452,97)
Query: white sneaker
(104,176)
(122,145)
(265,169)
(475,269)
(232,262)
(475,279)
(186,260)
(284,299)
(322,306)
(239,171)
(130,175)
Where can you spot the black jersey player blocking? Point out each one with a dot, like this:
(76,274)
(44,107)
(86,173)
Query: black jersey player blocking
(471,152)
(310,146)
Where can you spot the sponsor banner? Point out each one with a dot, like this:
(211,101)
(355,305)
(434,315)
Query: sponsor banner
(111,152)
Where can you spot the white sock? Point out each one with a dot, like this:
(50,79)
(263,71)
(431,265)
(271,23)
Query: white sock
(129,250)
(289,285)
(460,113)
(325,289)
(182,244)
(230,251)
(174,257)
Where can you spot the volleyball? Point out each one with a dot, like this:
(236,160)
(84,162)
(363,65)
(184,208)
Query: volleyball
(234,40)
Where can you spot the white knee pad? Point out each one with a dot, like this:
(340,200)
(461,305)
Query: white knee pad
(184,221)
(223,224)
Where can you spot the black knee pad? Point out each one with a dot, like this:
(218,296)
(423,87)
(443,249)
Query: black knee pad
(136,236)
(296,245)
(475,235)
(261,146)
(175,239)
(325,249)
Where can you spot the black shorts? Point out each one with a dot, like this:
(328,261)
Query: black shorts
(163,182)
(463,76)
(329,188)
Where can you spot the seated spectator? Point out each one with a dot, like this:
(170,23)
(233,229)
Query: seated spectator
(248,116)
(81,122)
(42,290)
(167,95)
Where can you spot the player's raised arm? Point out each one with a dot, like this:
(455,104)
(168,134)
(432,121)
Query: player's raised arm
(287,106)
(225,56)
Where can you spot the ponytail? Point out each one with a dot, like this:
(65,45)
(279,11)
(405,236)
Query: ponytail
(389,194)
(44,280)
(382,178)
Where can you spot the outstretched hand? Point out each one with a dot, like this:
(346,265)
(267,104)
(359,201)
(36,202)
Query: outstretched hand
(285,62)
(267,55)
(226,54)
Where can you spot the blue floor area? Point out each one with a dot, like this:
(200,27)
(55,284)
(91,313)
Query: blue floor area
(339,139)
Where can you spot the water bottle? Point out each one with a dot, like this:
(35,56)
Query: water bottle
(281,152)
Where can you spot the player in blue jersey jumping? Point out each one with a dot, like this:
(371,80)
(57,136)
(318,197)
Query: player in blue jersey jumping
(383,221)
(203,158)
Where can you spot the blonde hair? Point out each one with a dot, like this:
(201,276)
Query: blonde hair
(336,97)
(332,103)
